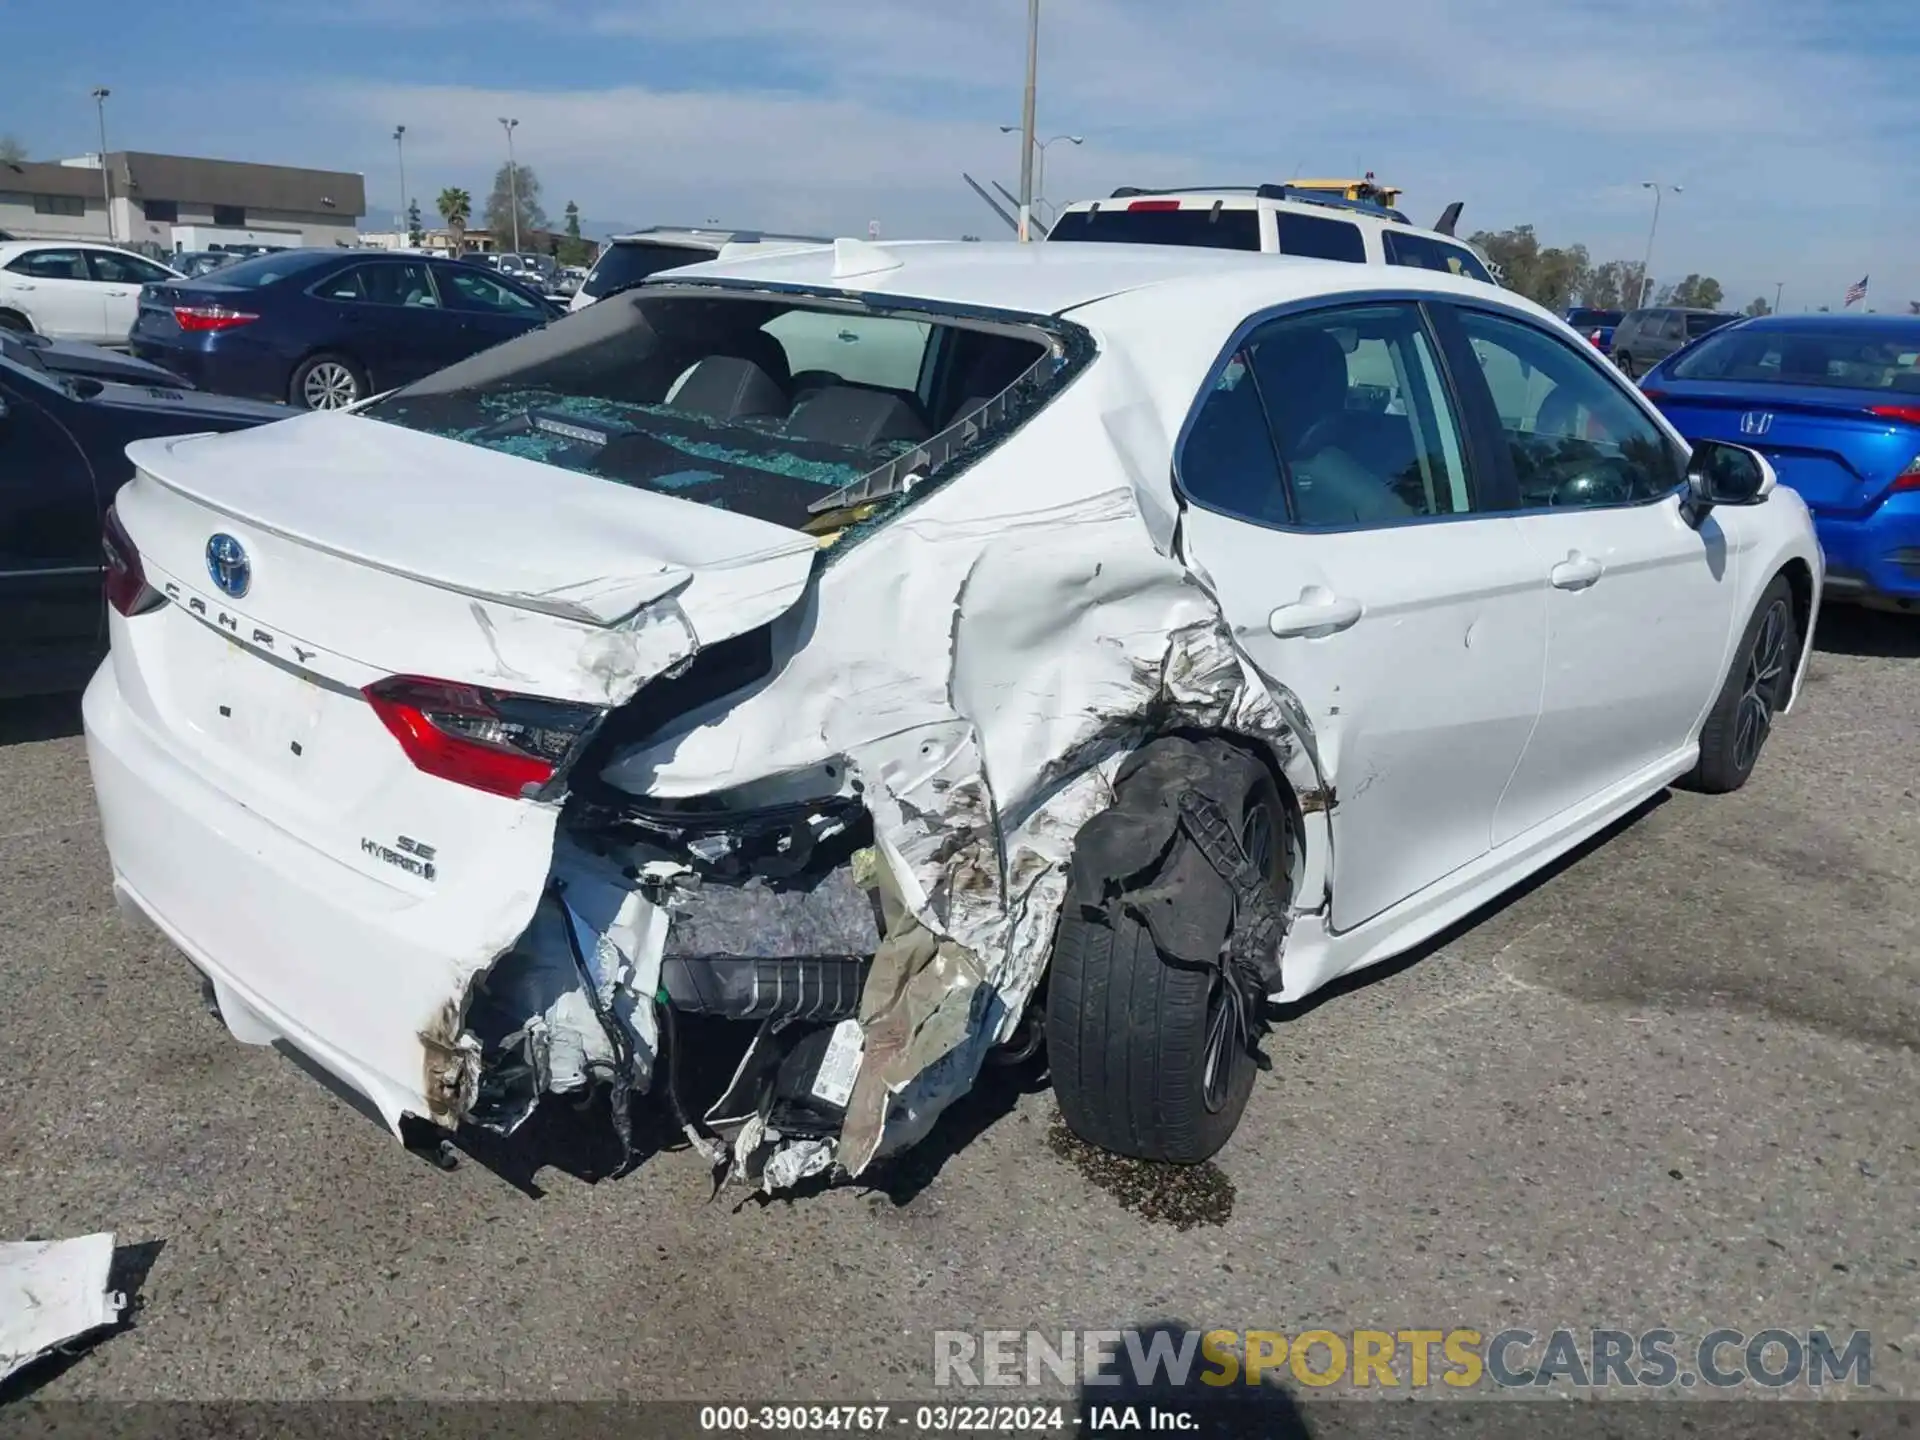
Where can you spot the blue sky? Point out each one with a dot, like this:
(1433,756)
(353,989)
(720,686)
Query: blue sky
(1791,126)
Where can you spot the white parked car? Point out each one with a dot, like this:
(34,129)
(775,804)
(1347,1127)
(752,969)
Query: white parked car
(74,290)
(629,259)
(1137,635)
(1273,220)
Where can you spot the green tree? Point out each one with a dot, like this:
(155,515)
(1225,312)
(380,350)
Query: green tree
(1610,286)
(12,152)
(515,183)
(1759,306)
(573,249)
(415,234)
(1701,291)
(456,208)
(1549,275)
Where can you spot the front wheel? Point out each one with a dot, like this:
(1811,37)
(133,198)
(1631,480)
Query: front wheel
(326,382)
(1152,1055)
(1760,682)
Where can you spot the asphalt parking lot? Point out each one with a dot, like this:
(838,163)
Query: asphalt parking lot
(1672,1084)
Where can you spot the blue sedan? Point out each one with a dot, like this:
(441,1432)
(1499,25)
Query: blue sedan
(1834,402)
(323,328)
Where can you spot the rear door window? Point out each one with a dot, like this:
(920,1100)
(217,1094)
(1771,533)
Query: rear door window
(50,265)
(1165,223)
(1320,238)
(628,262)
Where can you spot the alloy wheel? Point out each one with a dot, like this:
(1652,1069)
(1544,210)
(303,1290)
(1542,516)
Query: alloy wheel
(329,386)
(1761,686)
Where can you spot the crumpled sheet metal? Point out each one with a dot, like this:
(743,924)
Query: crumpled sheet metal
(53,1292)
(982,677)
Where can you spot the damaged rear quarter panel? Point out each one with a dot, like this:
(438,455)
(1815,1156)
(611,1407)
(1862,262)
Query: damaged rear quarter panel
(980,666)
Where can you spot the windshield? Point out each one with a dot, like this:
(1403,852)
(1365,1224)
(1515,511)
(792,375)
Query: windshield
(765,406)
(1581,319)
(1841,357)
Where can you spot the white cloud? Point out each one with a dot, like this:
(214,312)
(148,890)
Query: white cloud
(1791,145)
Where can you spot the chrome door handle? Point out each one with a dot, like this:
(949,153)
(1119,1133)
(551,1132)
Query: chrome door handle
(1576,572)
(1317,612)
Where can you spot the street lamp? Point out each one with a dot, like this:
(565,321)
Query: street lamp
(1040,170)
(513,181)
(400,145)
(1656,187)
(1776,296)
(1026,121)
(100,94)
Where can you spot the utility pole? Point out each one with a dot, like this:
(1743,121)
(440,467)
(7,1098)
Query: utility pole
(513,181)
(1656,187)
(400,144)
(1026,121)
(100,94)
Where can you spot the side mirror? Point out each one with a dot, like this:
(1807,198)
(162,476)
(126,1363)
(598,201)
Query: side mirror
(1723,474)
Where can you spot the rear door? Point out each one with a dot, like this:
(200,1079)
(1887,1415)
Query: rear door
(488,311)
(388,316)
(52,621)
(55,288)
(1357,550)
(119,278)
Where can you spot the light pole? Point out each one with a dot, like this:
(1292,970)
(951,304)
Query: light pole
(1026,121)
(100,93)
(1776,296)
(400,145)
(1656,187)
(1040,169)
(513,181)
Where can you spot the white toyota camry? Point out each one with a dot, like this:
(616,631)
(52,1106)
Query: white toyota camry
(905,652)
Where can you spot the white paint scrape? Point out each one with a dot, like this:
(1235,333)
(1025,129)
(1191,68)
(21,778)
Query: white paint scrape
(53,1292)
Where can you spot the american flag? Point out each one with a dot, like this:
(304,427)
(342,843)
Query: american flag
(1855,293)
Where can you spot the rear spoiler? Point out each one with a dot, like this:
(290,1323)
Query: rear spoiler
(1449,218)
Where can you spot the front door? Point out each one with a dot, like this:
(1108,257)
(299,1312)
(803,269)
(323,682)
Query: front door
(1639,607)
(50,561)
(1340,512)
(118,278)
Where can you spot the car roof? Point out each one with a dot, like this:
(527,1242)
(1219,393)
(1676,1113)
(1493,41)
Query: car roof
(991,275)
(78,242)
(1897,324)
(711,238)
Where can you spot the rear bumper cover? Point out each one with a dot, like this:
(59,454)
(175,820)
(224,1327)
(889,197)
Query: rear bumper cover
(1875,556)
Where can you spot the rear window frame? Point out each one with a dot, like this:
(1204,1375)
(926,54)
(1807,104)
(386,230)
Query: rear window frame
(1238,217)
(1067,349)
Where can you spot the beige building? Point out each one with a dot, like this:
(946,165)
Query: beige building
(178,202)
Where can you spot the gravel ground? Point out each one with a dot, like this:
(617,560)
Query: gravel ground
(1670,1084)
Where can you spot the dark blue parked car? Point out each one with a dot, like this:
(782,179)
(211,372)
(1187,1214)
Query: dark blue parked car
(324,328)
(1834,402)
(1596,325)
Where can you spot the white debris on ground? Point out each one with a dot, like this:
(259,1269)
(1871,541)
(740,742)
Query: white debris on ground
(53,1292)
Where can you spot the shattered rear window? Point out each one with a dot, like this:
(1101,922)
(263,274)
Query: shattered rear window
(800,410)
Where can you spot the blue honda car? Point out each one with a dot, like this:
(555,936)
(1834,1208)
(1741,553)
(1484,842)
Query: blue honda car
(1834,402)
(323,328)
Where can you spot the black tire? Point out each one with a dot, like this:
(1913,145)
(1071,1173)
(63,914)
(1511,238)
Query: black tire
(1757,685)
(1130,1034)
(1625,362)
(325,375)
(15,321)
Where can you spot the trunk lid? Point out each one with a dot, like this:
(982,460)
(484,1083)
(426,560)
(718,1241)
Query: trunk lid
(372,551)
(1825,443)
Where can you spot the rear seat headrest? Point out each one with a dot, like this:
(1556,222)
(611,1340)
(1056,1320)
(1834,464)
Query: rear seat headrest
(847,415)
(729,388)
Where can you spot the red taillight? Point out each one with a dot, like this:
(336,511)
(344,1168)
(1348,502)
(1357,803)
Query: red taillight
(1909,478)
(1655,395)
(126,583)
(492,740)
(1154,205)
(1906,414)
(1594,339)
(195,319)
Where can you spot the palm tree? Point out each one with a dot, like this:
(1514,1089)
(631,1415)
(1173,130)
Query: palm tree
(456,208)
